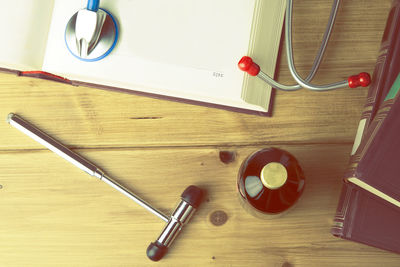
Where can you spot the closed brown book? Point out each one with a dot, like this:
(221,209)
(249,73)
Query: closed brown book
(363,216)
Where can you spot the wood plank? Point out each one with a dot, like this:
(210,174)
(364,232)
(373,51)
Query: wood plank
(54,214)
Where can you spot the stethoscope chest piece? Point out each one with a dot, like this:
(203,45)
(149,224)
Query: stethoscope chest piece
(104,38)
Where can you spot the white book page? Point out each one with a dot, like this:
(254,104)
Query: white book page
(182,48)
(24,25)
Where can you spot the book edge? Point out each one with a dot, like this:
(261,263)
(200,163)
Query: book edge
(178,99)
(49,76)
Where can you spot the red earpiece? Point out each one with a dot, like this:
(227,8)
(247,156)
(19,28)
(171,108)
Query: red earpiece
(363,79)
(246,64)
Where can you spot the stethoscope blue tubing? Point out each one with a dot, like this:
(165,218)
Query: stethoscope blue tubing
(93,5)
(107,52)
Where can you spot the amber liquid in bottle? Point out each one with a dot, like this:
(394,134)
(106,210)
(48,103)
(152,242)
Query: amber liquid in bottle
(270,181)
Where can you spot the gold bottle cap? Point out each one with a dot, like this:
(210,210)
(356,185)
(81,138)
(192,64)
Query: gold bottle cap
(273,175)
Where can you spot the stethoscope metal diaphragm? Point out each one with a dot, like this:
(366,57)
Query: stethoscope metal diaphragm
(106,42)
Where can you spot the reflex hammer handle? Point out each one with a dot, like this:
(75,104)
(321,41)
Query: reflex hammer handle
(88,167)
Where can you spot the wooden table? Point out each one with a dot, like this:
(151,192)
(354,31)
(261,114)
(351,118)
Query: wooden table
(52,214)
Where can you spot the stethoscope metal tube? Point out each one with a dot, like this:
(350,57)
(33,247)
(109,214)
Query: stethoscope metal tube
(246,63)
(289,51)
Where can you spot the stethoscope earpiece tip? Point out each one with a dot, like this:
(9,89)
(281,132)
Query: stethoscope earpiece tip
(362,79)
(246,64)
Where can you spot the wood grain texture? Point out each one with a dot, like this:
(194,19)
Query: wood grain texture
(52,214)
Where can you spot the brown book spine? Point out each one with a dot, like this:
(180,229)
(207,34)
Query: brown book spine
(342,211)
(368,137)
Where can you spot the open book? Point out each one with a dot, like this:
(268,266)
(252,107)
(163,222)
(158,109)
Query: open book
(179,49)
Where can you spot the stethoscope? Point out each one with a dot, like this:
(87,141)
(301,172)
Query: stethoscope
(246,63)
(91,33)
